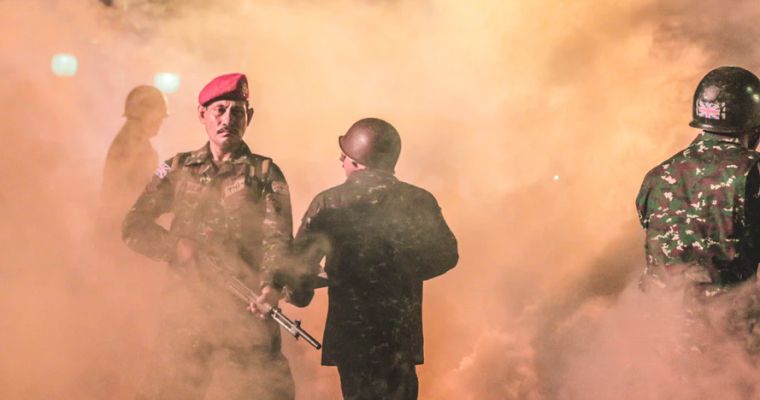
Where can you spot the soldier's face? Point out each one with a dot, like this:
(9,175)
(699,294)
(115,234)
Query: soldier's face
(225,122)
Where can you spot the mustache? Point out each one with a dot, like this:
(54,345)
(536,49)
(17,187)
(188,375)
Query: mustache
(225,128)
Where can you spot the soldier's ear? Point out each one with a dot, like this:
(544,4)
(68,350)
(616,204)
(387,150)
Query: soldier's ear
(250,114)
(201,113)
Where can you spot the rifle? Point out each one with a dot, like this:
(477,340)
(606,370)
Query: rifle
(243,292)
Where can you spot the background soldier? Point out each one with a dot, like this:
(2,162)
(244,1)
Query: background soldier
(131,159)
(381,238)
(700,208)
(231,216)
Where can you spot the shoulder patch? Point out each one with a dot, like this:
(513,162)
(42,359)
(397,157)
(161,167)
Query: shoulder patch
(163,170)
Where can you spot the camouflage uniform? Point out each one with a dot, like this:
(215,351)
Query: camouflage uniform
(382,238)
(238,212)
(700,211)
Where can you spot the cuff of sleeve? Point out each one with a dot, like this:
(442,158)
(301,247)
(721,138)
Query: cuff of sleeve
(274,281)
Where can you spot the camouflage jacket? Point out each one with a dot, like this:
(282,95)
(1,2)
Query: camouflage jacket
(240,207)
(700,208)
(381,239)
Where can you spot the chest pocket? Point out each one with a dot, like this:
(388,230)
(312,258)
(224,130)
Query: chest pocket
(238,191)
(244,189)
(190,194)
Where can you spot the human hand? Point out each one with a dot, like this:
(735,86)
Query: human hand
(185,251)
(268,299)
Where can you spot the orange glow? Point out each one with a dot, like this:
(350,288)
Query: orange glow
(490,97)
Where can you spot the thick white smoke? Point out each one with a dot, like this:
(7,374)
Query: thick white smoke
(493,100)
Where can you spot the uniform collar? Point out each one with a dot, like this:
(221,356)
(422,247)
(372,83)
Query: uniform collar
(203,155)
(372,176)
(714,137)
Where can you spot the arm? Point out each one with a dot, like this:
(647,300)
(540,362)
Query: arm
(431,247)
(309,248)
(642,202)
(139,230)
(752,210)
(277,235)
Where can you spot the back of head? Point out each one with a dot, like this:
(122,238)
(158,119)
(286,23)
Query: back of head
(727,101)
(144,101)
(372,142)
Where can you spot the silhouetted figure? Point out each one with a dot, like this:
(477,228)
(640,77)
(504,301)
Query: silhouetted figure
(131,158)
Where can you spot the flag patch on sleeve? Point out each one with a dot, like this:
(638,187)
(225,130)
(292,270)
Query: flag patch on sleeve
(163,170)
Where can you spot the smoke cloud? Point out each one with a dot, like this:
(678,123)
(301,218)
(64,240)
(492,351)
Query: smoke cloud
(532,123)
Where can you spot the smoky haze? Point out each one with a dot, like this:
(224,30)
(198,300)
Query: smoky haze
(532,123)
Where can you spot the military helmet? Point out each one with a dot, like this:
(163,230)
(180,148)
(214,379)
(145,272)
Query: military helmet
(727,100)
(145,100)
(372,142)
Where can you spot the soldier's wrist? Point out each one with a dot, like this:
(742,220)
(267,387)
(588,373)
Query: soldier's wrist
(272,284)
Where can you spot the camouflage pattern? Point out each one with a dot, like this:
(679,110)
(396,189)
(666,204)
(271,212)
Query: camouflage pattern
(698,217)
(381,238)
(238,214)
(241,206)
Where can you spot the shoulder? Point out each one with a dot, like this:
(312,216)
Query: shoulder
(265,167)
(122,138)
(255,158)
(752,155)
(331,198)
(120,144)
(267,172)
(658,171)
(172,165)
(415,194)
(663,170)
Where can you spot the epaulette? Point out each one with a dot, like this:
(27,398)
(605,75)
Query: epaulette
(170,165)
(260,167)
(263,170)
(179,158)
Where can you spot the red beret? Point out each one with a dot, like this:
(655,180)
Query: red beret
(224,87)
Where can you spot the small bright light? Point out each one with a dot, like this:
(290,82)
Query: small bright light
(556,177)
(64,64)
(166,82)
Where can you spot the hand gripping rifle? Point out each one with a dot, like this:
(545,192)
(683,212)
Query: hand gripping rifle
(243,292)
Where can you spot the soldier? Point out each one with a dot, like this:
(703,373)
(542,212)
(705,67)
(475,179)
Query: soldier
(232,215)
(381,238)
(700,207)
(131,159)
